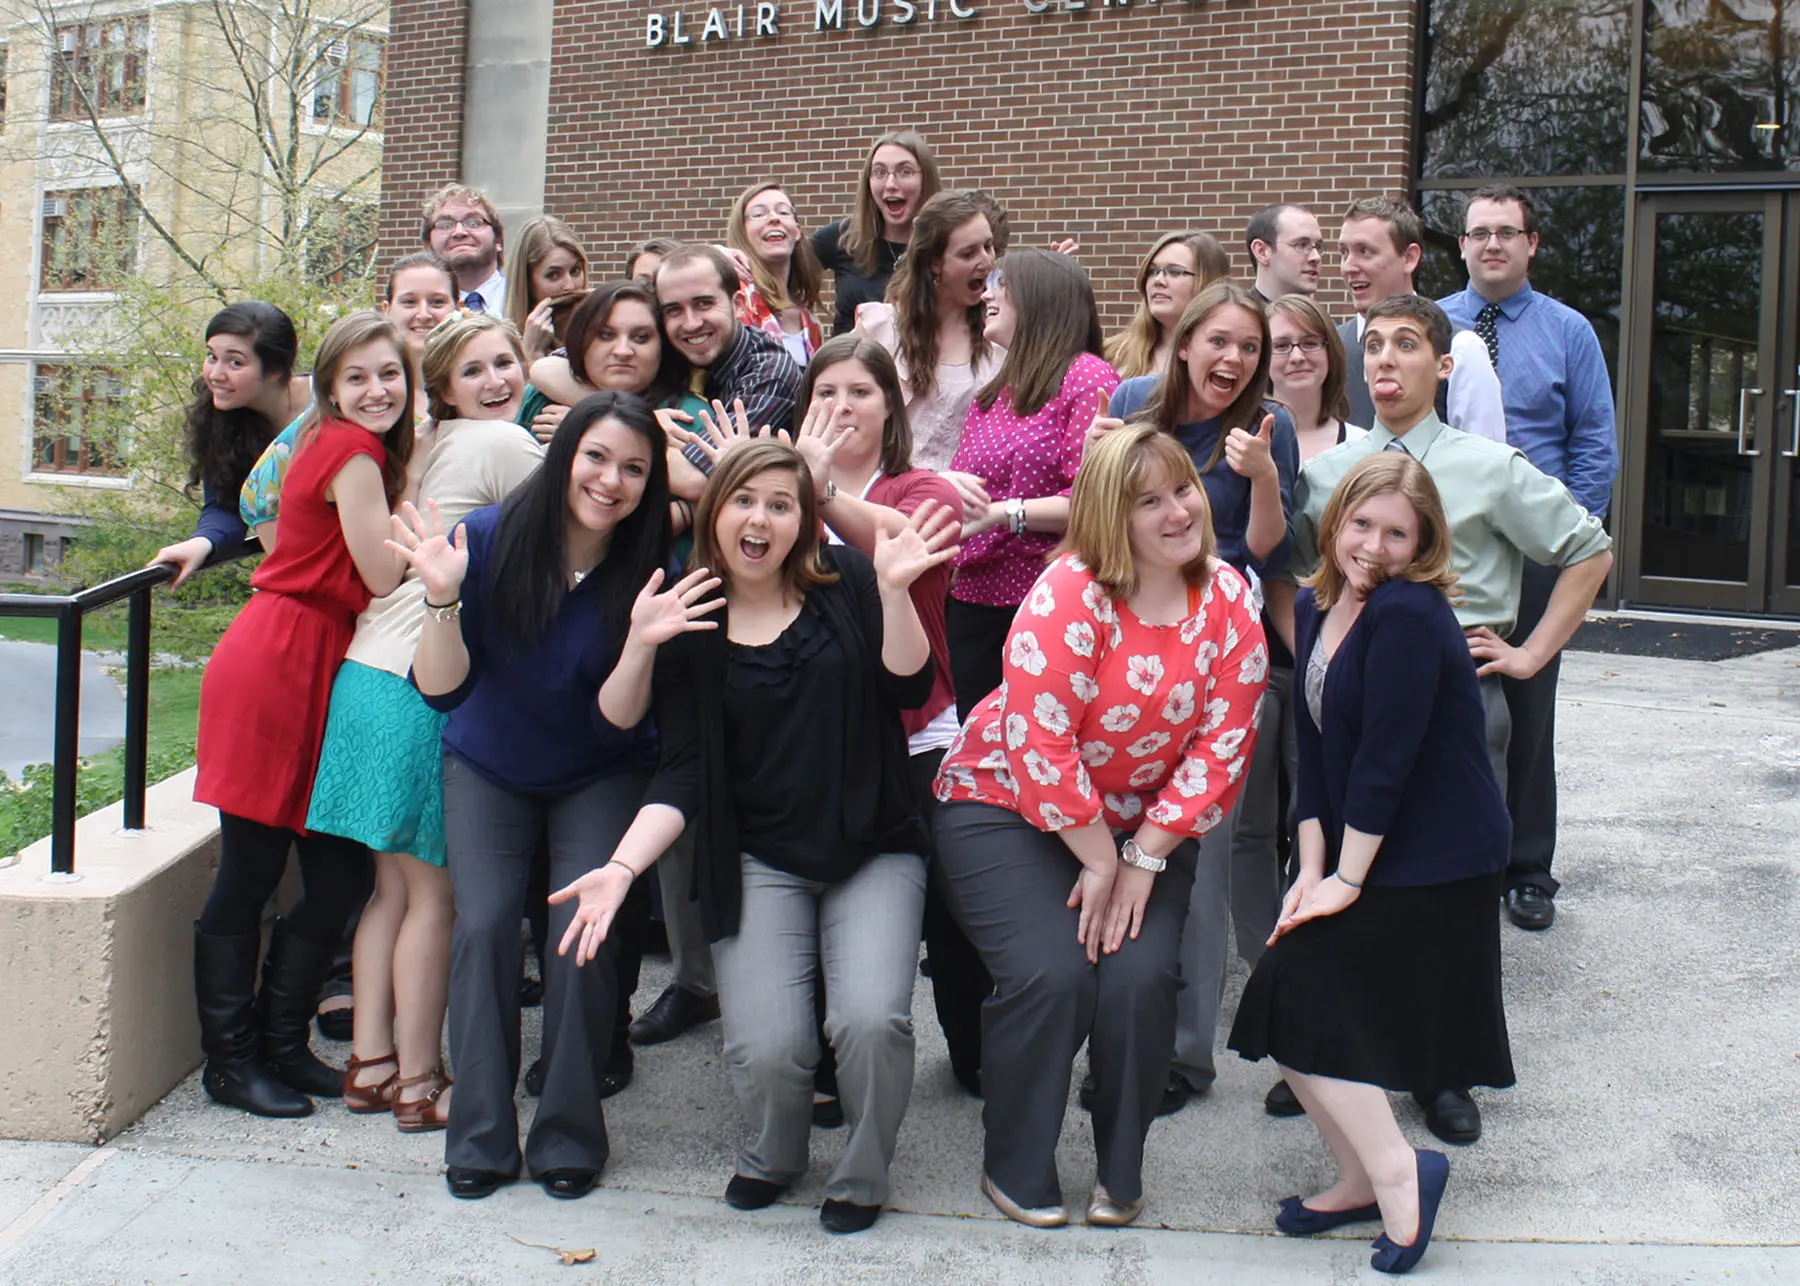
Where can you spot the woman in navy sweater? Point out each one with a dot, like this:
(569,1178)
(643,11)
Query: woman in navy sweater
(1384,970)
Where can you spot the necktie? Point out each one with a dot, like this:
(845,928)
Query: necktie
(1397,445)
(1484,327)
(697,382)
(473,302)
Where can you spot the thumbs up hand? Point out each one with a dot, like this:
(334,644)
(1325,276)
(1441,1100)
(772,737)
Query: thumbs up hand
(1251,455)
(1104,421)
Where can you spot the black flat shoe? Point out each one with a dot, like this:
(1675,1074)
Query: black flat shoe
(1451,1115)
(471,1184)
(676,1011)
(531,993)
(745,1193)
(336,1024)
(1530,907)
(1280,1101)
(614,1080)
(847,1216)
(828,1114)
(569,1184)
(534,1078)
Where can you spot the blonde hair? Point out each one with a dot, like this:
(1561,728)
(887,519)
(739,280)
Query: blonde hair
(444,347)
(803,569)
(1131,349)
(862,231)
(1115,471)
(537,238)
(804,275)
(1380,474)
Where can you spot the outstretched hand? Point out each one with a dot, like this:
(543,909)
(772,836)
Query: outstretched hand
(441,560)
(658,617)
(1252,455)
(719,431)
(928,539)
(821,434)
(600,893)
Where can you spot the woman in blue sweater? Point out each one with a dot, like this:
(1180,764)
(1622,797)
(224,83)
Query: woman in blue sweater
(1384,970)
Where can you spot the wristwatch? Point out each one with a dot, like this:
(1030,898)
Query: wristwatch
(1133,854)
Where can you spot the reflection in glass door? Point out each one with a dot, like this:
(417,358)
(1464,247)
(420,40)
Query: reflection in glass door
(1703,412)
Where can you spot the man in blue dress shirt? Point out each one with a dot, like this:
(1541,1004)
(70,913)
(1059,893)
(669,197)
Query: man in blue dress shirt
(1559,412)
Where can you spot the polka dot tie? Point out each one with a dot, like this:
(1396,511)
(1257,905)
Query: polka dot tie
(1485,327)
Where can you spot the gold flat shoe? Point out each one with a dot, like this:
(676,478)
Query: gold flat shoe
(1040,1217)
(1106,1212)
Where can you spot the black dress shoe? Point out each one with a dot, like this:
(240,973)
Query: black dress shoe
(745,1193)
(675,1011)
(336,1024)
(1280,1101)
(1175,1094)
(534,1078)
(1451,1115)
(531,993)
(847,1216)
(471,1184)
(828,1113)
(569,1184)
(1530,907)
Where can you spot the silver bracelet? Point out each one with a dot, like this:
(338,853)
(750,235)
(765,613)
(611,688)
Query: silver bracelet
(1015,515)
(445,614)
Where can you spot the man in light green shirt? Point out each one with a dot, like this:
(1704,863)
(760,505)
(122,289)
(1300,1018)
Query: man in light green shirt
(1502,510)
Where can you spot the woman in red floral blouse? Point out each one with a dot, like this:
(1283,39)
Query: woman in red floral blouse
(1071,802)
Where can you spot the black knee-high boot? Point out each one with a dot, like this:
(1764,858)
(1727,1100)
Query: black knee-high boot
(292,973)
(224,989)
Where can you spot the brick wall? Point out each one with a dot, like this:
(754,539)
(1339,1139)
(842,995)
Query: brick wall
(422,142)
(1109,124)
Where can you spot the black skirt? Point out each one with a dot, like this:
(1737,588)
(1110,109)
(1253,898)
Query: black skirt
(1400,990)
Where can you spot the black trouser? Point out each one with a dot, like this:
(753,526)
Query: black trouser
(335,874)
(1531,754)
(977,636)
(491,837)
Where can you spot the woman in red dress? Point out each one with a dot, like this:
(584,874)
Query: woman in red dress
(262,718)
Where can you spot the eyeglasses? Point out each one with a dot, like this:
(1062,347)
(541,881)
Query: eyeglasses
(1168,272)
(1304,246)
(1310,345)
(473,222)
(1480,236)
(905,173)
(995,281)
(769,212)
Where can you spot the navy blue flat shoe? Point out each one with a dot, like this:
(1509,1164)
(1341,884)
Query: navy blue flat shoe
(1434,1175)
(1297,1219)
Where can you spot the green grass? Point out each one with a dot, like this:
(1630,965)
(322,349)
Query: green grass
(25,806)
(102,631)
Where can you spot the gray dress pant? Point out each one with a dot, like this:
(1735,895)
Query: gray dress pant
(1258,819)
(1009,887)
(864,933)
(491,835)
(689,950)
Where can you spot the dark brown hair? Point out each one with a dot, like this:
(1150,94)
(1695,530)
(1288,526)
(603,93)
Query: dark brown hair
(862,230)
(1333,400)
(896,433)
(1058,321)
(913,293)
(803,569)
(592,314)
(1169,398)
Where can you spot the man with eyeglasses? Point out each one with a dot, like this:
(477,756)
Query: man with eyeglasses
(1378,251)
(1559,412)
(1287,247)
(463,229)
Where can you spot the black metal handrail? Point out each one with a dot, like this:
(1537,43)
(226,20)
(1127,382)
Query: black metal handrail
(69,610)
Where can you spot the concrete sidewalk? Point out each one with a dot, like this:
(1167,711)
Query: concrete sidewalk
(1651,1138)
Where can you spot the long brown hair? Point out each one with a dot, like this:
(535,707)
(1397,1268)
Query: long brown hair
(896,433)
(861,236)
(1379,474)
(537,238)
(802,570)
(1131,349)
(1058,321)
(913,293)
(347,334)
(1333,400)
(1169,398)
(804,276)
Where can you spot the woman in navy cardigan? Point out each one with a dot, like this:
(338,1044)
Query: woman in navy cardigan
(1384,970)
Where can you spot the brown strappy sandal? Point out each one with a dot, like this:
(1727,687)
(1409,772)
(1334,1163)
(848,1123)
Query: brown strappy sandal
(421,1115)
(365,1100)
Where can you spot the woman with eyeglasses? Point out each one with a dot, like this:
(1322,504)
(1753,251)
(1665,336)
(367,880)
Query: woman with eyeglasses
(1178,267)
(785,276)
(898,177)
(1309,369)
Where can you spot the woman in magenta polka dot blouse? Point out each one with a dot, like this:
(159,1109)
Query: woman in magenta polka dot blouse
(1021,445)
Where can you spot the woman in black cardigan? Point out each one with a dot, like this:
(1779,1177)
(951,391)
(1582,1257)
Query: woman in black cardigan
(1384,969)
(781,739)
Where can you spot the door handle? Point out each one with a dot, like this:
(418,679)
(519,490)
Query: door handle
(1794,439)
(1744,396)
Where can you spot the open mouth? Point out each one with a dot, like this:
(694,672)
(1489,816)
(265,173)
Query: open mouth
(1385,388)
(600,498)
(753,548)
(1222,382)
(895,206)
(495,403)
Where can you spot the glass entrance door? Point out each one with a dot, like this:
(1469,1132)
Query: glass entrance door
(1715,406)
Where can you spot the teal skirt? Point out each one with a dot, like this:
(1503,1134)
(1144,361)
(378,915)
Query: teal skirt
(381,778)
